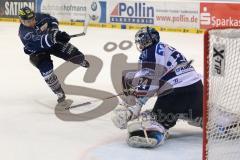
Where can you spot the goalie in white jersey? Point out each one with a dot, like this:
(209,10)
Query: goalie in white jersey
(166,72)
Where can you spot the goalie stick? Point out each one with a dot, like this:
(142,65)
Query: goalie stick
(119,94)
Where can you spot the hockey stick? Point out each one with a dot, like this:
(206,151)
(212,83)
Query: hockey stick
(97,100)
(93,101)
(86,22)
(77,35)
(85,25)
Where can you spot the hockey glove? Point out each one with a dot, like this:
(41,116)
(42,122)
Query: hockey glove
(27,51)
(122,114)
(62,37)
(52,29)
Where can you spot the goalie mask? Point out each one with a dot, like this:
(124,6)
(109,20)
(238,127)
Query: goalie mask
(146,37)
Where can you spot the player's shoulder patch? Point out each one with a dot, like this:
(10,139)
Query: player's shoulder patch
(160,49)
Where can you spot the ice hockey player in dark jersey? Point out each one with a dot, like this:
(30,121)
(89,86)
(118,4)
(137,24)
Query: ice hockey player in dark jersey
(42,38)
(161,65)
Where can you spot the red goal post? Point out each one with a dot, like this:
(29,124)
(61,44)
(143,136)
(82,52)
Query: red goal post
(221,99)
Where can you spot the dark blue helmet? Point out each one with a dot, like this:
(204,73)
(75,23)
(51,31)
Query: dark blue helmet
(146,37)
(26,13)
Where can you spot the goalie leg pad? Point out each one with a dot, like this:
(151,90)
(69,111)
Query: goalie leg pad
(145,134)
(137,139)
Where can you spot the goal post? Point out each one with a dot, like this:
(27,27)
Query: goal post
(221,103)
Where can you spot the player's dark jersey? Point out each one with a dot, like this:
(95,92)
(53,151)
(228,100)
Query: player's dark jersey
(38,39)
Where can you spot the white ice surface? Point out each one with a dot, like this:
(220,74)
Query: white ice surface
(31,131)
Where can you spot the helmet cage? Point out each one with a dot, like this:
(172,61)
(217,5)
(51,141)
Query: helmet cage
(146,37)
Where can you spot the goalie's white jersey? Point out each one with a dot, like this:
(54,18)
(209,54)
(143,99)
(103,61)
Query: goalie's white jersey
(159,59)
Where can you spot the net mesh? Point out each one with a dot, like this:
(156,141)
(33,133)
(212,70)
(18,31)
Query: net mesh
(223,105)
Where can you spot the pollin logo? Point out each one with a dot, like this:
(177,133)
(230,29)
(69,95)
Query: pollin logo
(205,17)
(97,11)
(132,13)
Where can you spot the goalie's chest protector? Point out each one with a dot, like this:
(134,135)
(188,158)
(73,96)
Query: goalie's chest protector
(168,57)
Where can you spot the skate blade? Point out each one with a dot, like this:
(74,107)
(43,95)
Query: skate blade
(85,64)
(63,105)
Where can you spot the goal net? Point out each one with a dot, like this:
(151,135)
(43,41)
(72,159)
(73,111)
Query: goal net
(221,138)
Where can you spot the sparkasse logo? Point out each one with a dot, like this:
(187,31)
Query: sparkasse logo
(205,17)
(219,15)
(132,13)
